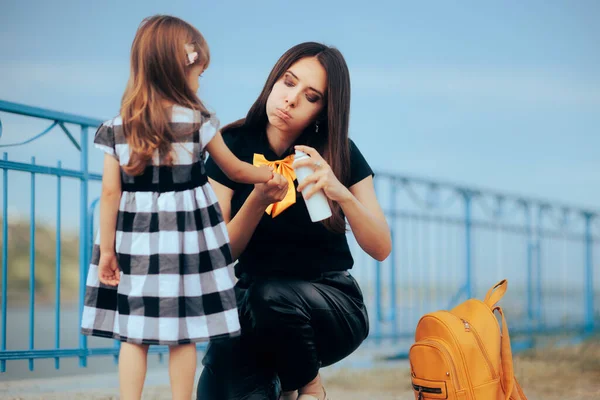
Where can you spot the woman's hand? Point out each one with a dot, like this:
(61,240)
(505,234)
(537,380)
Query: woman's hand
(108,269)
(323,178)
(272,191)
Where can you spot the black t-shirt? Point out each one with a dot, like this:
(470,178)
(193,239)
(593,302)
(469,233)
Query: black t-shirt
(289,244)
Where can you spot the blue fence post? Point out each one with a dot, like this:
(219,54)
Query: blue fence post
(393,283)
(58,262)
(589,275)
(468,197)
(83,243)
(4,257)
(378,293)
(529,241)
(538,252)
(32,268)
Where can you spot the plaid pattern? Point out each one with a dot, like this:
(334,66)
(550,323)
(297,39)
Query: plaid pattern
(172,246)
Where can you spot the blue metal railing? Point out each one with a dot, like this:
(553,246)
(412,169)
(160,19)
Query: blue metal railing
(450,243)
(58,119)
(4,259)
(548,294)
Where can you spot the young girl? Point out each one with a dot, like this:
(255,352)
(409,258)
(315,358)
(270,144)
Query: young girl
(161,269)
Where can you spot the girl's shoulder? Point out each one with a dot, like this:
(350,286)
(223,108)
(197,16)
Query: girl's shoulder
(184,115)
(111,123)
(114,128)
(179,114)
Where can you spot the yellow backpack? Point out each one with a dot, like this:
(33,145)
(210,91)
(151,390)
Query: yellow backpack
(461,354)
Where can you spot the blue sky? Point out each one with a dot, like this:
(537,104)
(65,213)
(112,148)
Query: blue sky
(503,95)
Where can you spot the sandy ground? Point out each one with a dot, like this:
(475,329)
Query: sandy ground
(550,373)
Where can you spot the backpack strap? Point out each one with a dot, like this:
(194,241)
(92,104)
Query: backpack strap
(520,390)
(506,354)
(495,293)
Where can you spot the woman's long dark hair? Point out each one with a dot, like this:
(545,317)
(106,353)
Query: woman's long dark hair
(331,141)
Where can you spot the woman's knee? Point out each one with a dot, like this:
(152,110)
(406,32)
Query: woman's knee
(209,386)
(237,378)
(273,297)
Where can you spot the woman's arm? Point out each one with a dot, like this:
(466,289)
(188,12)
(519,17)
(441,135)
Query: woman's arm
(359,204)
(233,167)
(367,220)
(242,226)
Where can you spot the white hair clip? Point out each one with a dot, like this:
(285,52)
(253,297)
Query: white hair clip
(192,55)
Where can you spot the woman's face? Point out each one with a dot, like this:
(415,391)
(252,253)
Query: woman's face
(298,96)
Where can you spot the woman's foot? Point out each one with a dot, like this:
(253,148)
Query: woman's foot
(306,396)
(289,395)
(313,390)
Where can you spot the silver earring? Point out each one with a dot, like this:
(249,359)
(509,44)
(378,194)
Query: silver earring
(316,126)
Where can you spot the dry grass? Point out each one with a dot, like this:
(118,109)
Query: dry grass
(571,372)
(379,380)
(548,373)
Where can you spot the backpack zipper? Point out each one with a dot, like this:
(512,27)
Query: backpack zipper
(426,389)
(469,328)
(435,344)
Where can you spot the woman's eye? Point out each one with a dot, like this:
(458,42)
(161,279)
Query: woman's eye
(288,83)
(312,99)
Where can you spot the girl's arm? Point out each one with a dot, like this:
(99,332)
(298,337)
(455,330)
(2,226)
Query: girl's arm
(242,226)
(233,167)
(109,204)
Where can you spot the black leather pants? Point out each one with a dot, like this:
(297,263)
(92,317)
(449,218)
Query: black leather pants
(290,328)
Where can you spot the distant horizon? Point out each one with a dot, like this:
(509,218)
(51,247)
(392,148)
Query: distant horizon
(429,179)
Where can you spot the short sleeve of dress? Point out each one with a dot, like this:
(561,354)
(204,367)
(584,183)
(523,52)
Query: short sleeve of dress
(208,130)
(105,139)
(359,167)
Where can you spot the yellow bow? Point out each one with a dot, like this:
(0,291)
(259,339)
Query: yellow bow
(284,168)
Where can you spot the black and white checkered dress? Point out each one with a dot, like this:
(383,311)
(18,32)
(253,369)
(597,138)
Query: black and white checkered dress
(172,246)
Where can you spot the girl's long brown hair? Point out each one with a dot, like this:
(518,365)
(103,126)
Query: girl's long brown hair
(332,138)
(158,78)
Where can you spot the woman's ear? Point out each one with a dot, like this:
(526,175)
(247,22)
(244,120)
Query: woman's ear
(321,118)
